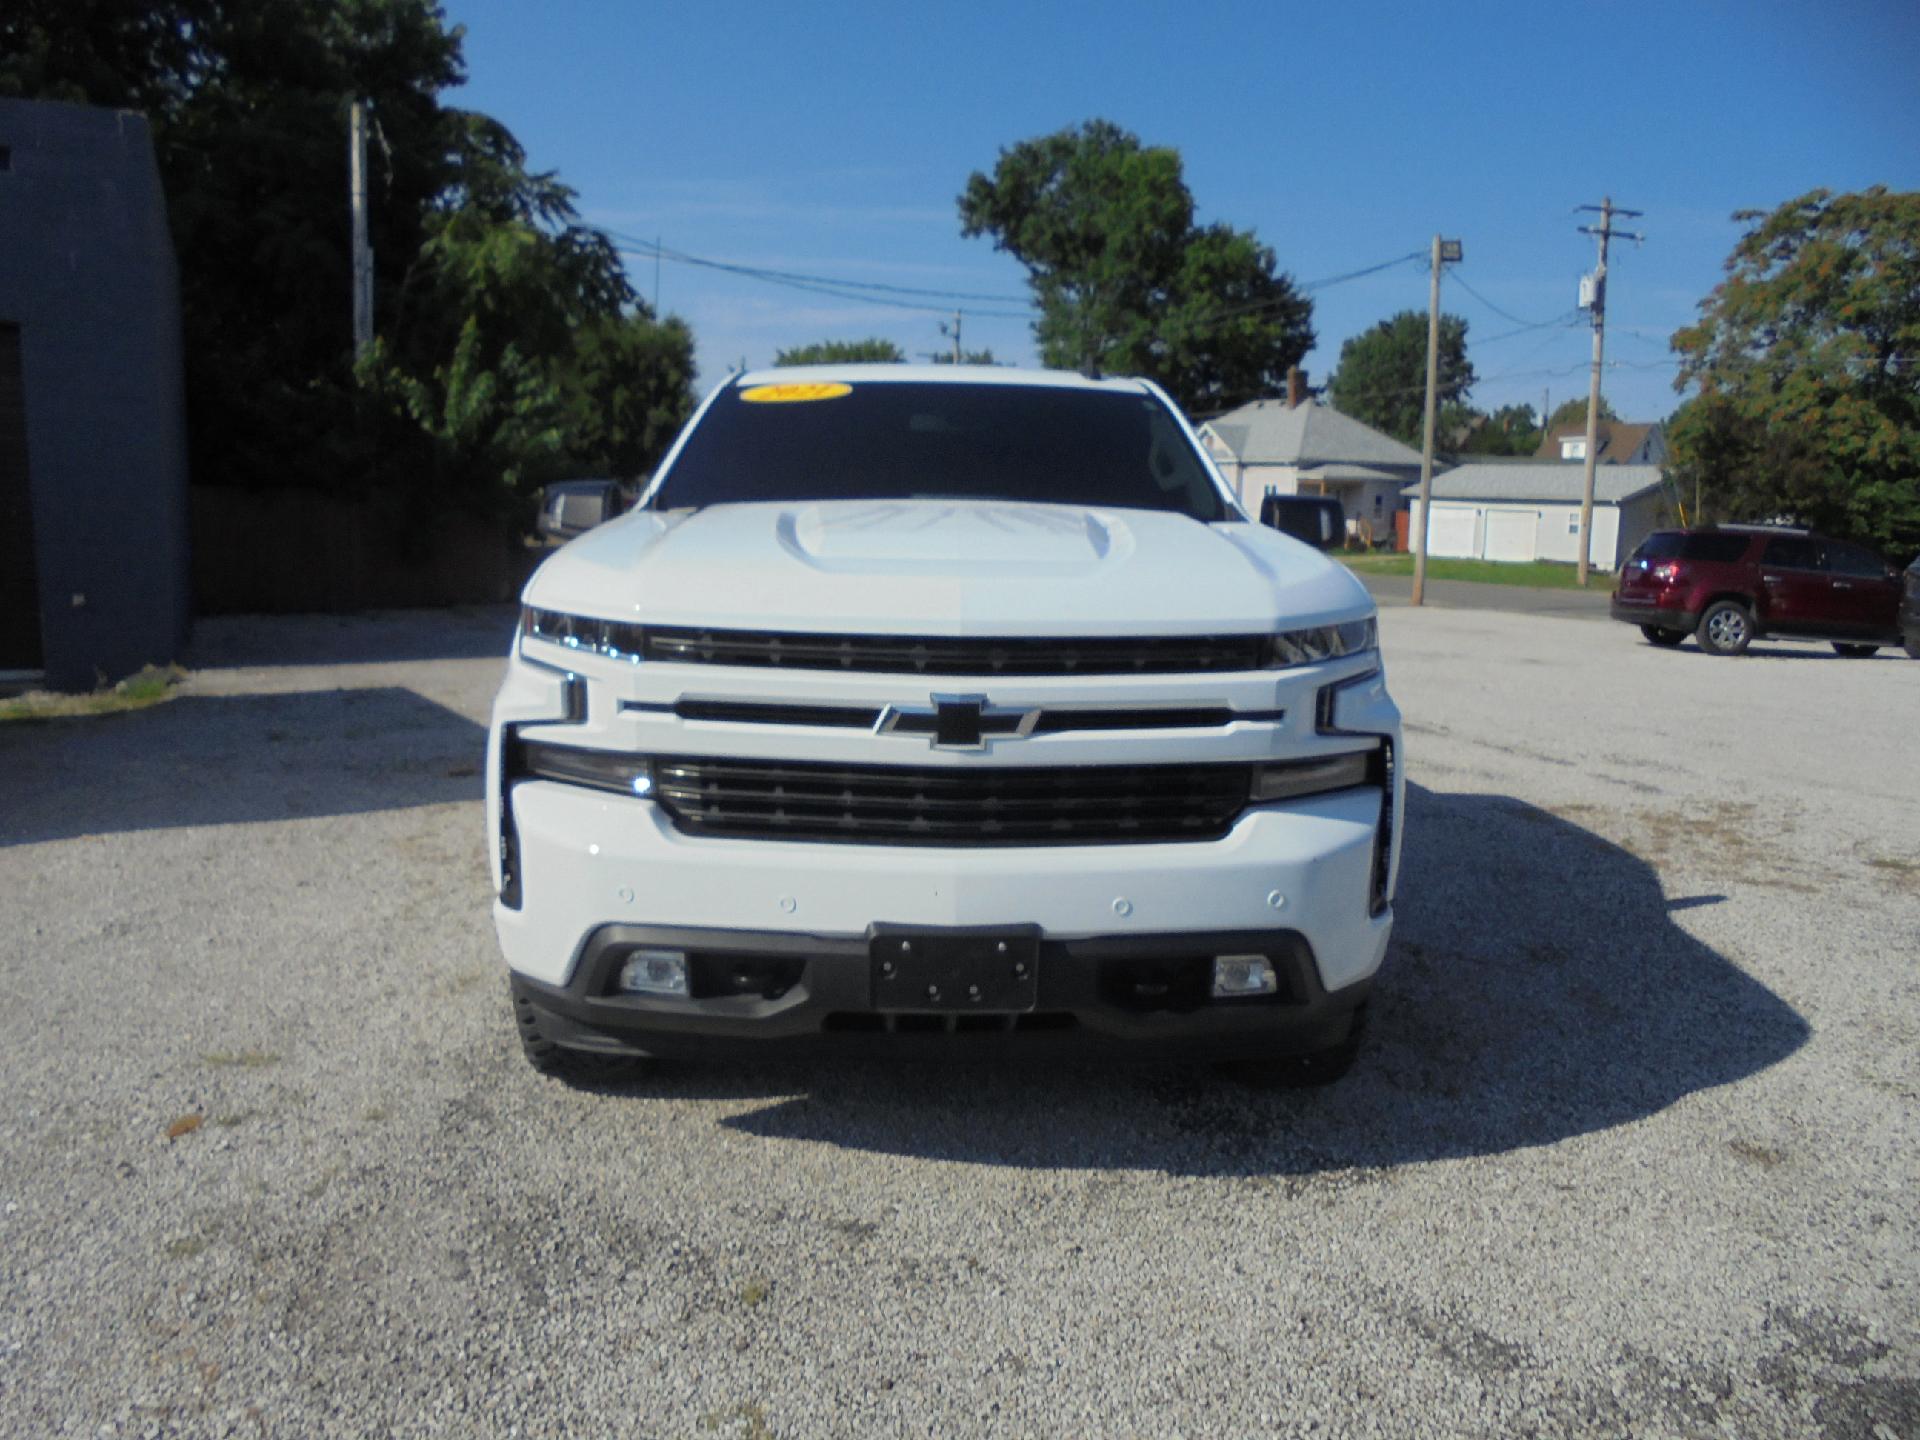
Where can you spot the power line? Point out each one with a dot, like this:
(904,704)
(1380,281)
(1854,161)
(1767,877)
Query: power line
(1453,389)
(1564,321)
(881,293)
(765,271)
(1507,315)
(1305,287)
(840,292)
(653,249)
(1311,285)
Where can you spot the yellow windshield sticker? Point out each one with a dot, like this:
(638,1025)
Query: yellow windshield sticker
(795,394)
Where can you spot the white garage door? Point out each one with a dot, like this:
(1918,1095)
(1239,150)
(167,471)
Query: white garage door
(1511,534)
(1452,533)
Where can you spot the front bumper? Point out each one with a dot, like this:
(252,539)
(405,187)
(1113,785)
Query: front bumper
(581,867)
(1651,612)
(588,859)
(1089,1001)
(601,874)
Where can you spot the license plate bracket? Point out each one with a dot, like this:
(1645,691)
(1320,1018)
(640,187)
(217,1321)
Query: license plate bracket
(949,972)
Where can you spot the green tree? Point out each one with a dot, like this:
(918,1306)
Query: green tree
(1510,430)
(843,352)
(498,312)
(1806,369)
(1123,278)
(1382,376)
(1574,412)
(628,392)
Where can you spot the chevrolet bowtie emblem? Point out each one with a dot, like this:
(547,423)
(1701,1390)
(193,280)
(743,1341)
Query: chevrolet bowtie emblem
(957,722)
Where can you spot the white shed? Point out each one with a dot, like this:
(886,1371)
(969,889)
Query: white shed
(1531,511)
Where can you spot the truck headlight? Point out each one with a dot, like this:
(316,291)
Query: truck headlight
(1324,642)
(615,639)
(576,765)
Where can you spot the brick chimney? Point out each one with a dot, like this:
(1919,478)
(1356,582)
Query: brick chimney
(1296,386)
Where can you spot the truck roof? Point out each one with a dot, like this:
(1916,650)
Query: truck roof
(936,374)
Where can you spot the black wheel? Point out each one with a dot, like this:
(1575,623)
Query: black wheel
(1300,1072)
(575,1066)
(1854,652)
(1726,628)
(1661,635)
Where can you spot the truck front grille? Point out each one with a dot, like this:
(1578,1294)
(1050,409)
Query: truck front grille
(947,655)
(999,805)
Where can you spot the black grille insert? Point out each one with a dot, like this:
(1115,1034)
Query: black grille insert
(946,655)
(1044,721)
(997,805)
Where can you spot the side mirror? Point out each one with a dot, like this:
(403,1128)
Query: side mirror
(573,507)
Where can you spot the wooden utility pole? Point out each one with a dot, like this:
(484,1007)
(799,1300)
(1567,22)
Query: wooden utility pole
(1442,250)
(955,332)
(362,255)
(1605,231)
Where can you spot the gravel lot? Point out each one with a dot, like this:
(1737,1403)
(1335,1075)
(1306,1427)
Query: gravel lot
(1633,1150)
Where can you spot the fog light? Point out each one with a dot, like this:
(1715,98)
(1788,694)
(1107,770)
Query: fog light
(654,972)
(1243,975)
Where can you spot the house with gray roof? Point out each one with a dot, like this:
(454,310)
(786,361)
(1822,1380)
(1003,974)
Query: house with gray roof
(1296,447)
(1530,510)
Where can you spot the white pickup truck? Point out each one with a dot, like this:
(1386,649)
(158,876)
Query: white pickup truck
(943,710)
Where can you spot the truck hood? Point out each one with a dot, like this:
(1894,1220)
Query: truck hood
(926,567)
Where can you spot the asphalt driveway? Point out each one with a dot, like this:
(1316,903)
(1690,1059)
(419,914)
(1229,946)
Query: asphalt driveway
(1588,604)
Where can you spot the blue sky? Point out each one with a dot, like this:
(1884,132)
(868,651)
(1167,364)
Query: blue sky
(832,140)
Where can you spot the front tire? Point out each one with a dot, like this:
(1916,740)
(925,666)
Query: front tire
(1726,628)
(1854,652)
(1661,635)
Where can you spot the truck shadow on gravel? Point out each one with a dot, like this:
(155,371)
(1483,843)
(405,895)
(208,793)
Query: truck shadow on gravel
(1537,989)
(235,759)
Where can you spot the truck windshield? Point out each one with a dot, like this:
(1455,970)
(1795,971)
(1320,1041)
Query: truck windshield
(940,440)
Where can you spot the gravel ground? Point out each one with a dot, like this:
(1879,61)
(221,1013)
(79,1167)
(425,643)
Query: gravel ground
(1632,1151)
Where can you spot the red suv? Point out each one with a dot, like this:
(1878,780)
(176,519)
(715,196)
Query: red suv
(1733,584)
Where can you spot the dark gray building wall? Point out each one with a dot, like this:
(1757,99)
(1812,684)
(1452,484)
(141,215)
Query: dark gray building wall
(87,274)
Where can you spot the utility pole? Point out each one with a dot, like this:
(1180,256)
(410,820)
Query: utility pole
(1605,231)
(955,333)
(1443,250)
(656,276)
(362,255)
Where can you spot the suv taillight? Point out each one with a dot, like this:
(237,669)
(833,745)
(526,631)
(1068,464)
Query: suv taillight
(1666,572)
